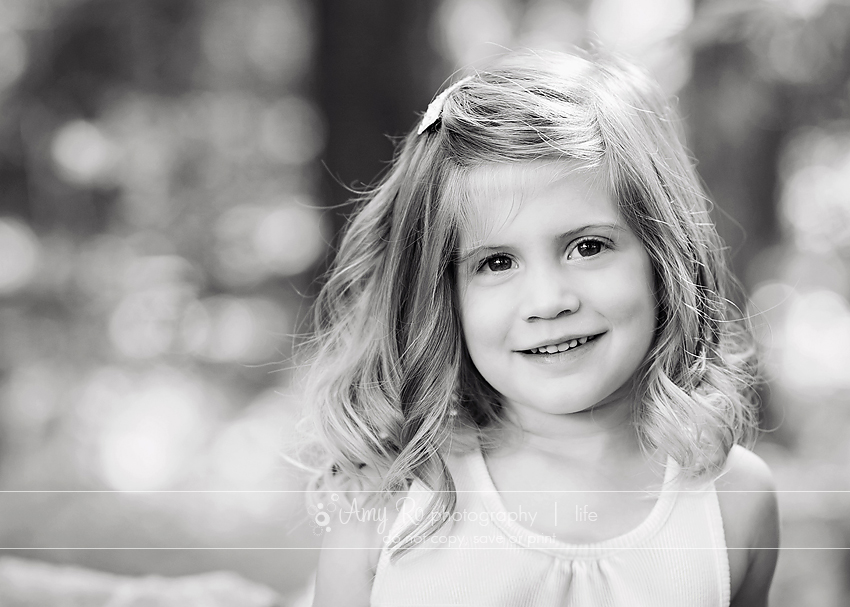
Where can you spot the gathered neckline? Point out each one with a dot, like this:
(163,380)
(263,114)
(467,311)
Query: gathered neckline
(480,475)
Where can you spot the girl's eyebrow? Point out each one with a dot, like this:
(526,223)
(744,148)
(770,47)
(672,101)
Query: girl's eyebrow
(467,254)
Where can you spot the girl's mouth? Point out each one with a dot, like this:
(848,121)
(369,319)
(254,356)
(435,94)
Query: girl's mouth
(561,347)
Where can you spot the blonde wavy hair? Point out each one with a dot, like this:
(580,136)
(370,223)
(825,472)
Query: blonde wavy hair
(389,380)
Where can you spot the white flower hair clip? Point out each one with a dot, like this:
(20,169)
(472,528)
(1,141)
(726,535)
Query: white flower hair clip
(435,108)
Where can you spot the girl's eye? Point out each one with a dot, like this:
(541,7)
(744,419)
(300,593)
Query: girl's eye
(588,247)
(497,263)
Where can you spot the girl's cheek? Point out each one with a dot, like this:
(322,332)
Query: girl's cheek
(627,295)
(483,316)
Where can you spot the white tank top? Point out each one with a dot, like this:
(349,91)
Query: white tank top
(676,556)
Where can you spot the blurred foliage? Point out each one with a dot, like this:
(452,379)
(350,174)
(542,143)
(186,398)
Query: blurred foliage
(173,174)
(159,221)
(33,584)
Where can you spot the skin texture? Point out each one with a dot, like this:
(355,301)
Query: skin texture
(747,497)
(350,553)
(547,258)
(347,564)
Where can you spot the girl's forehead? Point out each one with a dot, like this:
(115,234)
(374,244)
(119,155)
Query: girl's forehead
(520,178)
(493,193)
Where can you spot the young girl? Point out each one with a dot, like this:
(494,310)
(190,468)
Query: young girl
(526,359)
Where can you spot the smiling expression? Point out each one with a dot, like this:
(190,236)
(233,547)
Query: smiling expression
(556,291)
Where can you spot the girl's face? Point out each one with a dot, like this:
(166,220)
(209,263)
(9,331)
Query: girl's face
(556,292)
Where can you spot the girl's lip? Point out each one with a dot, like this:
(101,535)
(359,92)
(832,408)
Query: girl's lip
(589,336)
(569,354)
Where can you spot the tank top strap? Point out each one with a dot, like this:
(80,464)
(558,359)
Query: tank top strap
(492,502)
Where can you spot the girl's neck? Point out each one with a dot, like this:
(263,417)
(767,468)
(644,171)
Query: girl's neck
(604,433)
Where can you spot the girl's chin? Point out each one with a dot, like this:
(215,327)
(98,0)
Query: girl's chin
(537,406)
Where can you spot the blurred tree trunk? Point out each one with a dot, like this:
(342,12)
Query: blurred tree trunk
(737,129)
(373,74)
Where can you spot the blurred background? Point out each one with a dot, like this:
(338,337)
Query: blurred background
(174,173)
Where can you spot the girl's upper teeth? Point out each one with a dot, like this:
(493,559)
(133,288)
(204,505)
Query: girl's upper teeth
(561,347)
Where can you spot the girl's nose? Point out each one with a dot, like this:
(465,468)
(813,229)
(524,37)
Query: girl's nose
(549,296)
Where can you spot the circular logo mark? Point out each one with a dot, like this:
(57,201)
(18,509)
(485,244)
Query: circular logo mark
(322,515)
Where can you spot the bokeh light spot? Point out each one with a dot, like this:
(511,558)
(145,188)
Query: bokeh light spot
(806,9)
(289,240)
(473,30)
(280,41)
(157,290)
(816,352)
(292,131)
(815,200)
(83,153)
(19,255)
(254,242)
(769,305)
(246,453)
(232,329)
(633,25)
(148,428)
(552,25)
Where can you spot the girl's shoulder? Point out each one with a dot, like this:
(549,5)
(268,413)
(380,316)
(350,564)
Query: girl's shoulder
(745,488)
(746,493)
(350,550)
(746,471)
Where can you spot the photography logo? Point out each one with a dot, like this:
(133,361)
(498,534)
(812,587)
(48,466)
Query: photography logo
(321,514)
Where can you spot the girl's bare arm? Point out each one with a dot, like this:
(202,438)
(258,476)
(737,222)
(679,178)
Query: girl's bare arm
(746,492)
(347,563)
